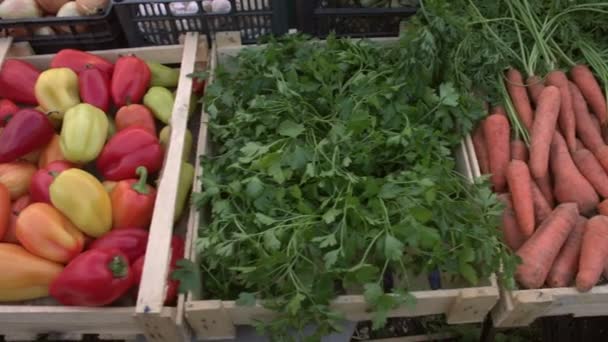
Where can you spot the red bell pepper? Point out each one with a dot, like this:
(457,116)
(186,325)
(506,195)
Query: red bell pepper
(94,88)
(7,110)
(131,241)
(79,61)
(130,80)
(26,131)
(126,151)
(96,277)
(133,202)
(135,115)
(177,253)
(18,80)
(39,186)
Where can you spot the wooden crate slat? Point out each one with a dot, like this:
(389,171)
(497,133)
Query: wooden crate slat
(215,319)
(5,45)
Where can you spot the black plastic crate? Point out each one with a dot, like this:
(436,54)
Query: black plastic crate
(162,22)
(349,18)
(99,32)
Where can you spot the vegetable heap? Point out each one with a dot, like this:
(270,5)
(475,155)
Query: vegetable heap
(542,64)
(332,171)
(51,200)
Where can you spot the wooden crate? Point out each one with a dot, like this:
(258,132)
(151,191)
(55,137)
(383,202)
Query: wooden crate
(216,319)
(25,321)
(521,307)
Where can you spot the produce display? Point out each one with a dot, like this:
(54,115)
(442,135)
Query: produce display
(542,68)
(77,191)
(333,173)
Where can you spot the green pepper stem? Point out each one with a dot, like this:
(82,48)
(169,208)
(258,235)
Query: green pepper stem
(142,184)
(118,266)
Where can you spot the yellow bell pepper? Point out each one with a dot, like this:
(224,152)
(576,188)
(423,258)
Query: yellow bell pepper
(186,177)
(165,135)
(23,275)
(57,91)
(84,200)
(84,132)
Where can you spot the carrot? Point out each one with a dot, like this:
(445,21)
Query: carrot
(542,209)
(570,184)
(519,96)
(499,110)
(588,165)
(596,123)
(541,249)
(545,120)
(585,126)
(510,230)
(579,145)
(591,90)
(519,150)
(479,143)
(545,185)
(496,129)
(535,87)
(566,264)
(601,154)
(594,251)
(567,120)
(602,208)
(520,184)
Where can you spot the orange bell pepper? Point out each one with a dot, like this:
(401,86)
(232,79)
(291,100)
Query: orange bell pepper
(133,202)
(5,210)
(51,152)
(24,276)
(45,232)
(16,176)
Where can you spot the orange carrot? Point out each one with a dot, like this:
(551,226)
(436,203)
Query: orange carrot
(545,185)
(602,208)
(541,249)
(596,123)
(519,97)
(479,143)
(566,264)
(570,184)
(594,252)
(542,209)
(496,129)
(567,120)
(601,154)
(535,87)
(510,230)
(585,126)
(498,110)
(519,150)
(591,90)
(520,184)
(588,165)
(545,120)
(579,145)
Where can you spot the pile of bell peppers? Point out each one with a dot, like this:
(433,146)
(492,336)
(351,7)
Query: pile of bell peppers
(81,146)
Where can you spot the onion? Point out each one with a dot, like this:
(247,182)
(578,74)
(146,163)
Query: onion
(51,6)
(91,7)
(44,31)
(221,6)
(69,10)
(19,9)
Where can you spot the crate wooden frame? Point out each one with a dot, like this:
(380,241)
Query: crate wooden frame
(216,319)
(25,322)
(517,308)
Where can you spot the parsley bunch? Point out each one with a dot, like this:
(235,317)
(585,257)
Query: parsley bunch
(332,172)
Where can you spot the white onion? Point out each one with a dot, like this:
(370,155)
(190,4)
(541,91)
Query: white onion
(19,9)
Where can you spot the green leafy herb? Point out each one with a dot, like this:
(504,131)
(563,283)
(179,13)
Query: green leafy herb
(333,169)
